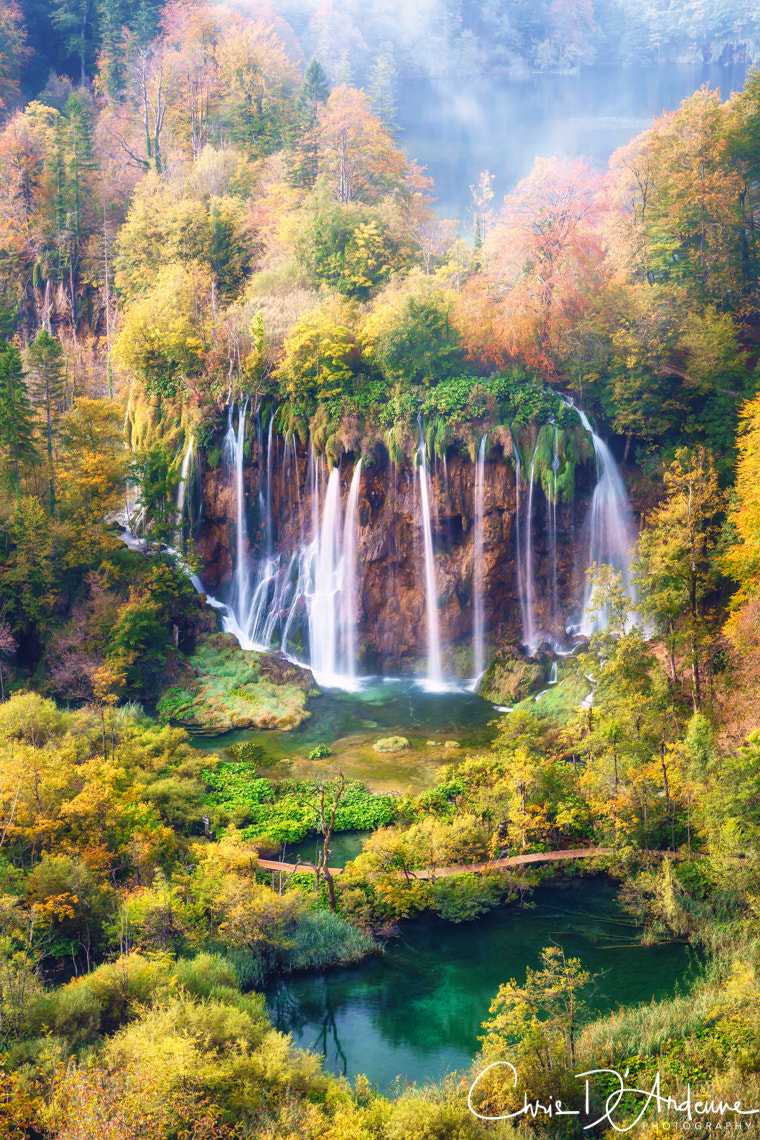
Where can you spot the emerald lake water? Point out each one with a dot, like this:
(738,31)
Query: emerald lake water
(351,723)
(415,1012)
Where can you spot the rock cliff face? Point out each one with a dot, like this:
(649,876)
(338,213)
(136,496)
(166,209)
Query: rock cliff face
(284,501)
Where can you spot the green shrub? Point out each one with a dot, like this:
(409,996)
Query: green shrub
(206,973)
(74,1012)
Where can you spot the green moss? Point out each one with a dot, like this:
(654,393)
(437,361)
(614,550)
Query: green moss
(511,678)
(227,687)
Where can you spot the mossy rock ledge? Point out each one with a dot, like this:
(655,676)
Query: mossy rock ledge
(226,687)
(511,677)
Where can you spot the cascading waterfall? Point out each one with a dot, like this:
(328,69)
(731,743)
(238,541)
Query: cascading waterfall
(232,457)
(478,631)
(518,536)
(551,511)
(609,528)
(300,592)
(434,673)
(182,494)
(323,608)
(527,603)
(348,616)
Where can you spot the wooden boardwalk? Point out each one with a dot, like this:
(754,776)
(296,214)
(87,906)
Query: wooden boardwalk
(459,868)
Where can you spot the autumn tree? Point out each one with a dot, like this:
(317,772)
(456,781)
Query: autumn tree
(91,473)
(359,159)
(677,550)
(542,1018)
(684,191)
(741,561)
(410,336)
(13,52)
(257,85)
(319,355)
(544,260)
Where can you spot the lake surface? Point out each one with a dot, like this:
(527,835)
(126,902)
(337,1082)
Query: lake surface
(351,723)
(466,125)
(415,1012)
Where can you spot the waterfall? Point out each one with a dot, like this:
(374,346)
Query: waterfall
(526,605)
(551,518)
(269,486)
(232,458)
(609,527)
(434,674)
(518,538)
(348,617)
(478,653)
(182,493)
(323,629)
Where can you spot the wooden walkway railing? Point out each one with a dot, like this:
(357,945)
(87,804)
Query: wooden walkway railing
(459,868)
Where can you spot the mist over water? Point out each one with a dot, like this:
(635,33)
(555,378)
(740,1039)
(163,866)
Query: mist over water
(460,127)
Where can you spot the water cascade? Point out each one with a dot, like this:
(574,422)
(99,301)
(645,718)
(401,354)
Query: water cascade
(182,494)
(527,606)
(551,526)
(609,529)
(478,631)
(518,533)
(232,457)
(350,592)
(434,674)
(323,609)
(299,585)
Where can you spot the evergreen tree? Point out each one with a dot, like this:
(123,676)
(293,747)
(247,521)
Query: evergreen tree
(81,163)
(112,58)
(47,380)
(313,94)
(74,21)
(381,92)
(16,418)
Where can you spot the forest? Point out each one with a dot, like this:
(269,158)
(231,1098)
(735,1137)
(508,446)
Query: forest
(194,212)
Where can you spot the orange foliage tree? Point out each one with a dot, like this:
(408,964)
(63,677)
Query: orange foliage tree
(358,158)
(544,260)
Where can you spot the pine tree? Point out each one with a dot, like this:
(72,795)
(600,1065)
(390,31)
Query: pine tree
(112,58)
(47,380)
(16,418)
(313,94)
(382,89)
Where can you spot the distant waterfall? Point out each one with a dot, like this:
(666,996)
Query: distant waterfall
(609,529)
(434,673)
(478,631)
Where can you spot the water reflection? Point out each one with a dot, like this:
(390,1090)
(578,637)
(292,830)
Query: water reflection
(416,1011)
